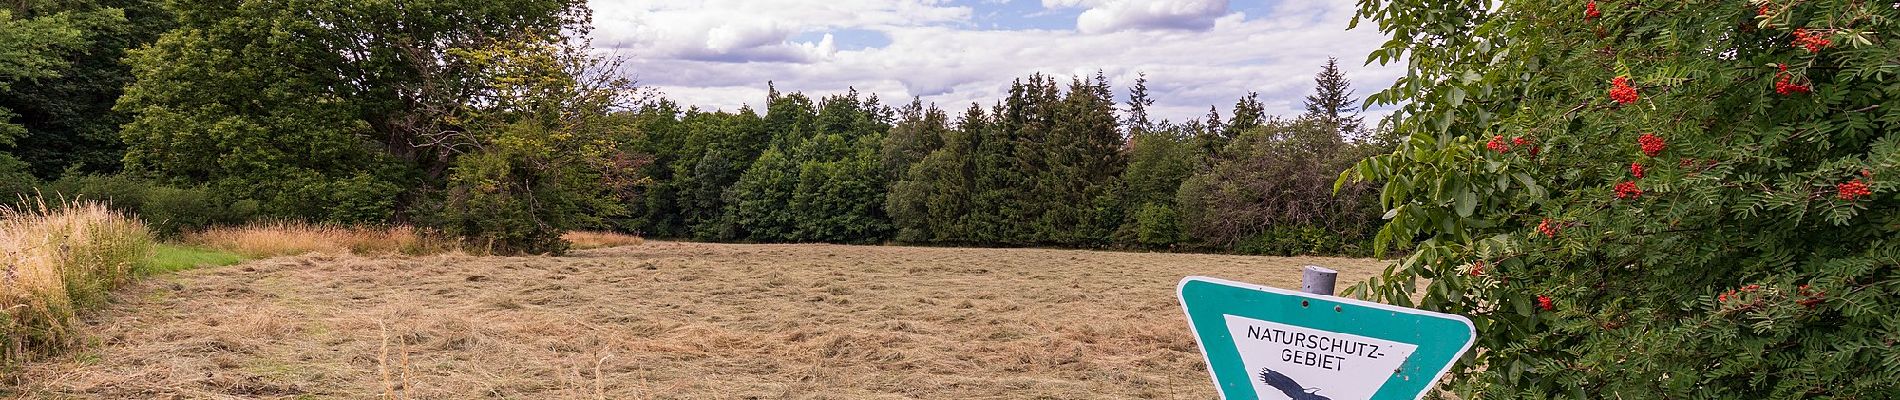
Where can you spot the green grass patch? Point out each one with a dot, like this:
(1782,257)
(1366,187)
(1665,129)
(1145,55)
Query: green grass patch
(174,258)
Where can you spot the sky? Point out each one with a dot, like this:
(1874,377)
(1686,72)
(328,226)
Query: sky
(719,54)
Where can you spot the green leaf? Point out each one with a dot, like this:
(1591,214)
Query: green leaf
(1467,202)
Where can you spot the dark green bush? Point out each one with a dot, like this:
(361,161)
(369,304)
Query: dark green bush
(14,181)
(1301,240)
(171,210)
(167,210)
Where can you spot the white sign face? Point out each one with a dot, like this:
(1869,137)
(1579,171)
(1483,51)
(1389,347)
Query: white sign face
(1291,362)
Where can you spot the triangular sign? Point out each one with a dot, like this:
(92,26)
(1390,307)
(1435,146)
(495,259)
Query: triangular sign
(1267,343)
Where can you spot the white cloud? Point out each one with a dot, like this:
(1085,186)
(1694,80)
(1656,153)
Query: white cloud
(719,54)
(749,30)
(1117,15)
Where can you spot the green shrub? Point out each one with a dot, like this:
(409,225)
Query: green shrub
(14,179)
(171,210)
(1300,240)
(1158,225)
(167,210)
(499,203)
(1273,183)
(1666,200)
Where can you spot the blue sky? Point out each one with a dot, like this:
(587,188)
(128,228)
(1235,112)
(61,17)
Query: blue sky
(718,54)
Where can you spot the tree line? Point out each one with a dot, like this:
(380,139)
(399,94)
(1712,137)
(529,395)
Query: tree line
(483,119)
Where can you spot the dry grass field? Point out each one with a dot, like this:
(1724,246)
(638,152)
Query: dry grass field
(660,321)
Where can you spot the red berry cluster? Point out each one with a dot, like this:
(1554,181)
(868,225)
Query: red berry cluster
(1628,190)
(1590,11)
(1547,228)
(1814,297)
(1544,303)
(1814,42)
(1497,144)
(1783,86)
(1621,92)
(1853,190)
(1651,144)
(1733,292)
(1477,269)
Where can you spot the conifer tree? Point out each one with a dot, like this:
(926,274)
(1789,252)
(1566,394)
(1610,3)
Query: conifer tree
(1332,100)
(1137,121)
(1209,135)
(1248,114)
(919,131)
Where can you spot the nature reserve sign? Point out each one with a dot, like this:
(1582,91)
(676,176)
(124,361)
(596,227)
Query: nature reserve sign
(1267,343)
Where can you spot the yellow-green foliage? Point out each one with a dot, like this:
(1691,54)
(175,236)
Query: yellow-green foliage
(56,260)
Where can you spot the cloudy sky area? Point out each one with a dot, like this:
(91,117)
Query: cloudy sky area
(718,54)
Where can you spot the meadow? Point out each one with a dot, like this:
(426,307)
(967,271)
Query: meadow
(659,320)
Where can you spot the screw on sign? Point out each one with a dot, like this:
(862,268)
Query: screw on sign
(1268,343)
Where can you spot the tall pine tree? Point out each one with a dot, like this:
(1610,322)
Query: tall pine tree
(1332,100)
(1248,114)
(1138,103)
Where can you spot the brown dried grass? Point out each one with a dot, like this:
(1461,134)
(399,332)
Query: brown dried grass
(272,239)
(583,240)
(55,261)
(665,321)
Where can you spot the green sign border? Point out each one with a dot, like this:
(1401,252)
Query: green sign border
(1441,338)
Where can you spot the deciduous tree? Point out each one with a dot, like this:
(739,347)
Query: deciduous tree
(1656,199)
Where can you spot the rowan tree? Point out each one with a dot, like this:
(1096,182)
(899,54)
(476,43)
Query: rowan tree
(1648,199)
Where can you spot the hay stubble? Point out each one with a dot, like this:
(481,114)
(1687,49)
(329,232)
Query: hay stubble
(663,321)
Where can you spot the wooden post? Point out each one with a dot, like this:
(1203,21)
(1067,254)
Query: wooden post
(1318,280)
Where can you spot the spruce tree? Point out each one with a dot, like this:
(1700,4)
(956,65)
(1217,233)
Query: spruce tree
(1332,100)
(1138,103)
(918,132)
(1210,134)
(1248,114)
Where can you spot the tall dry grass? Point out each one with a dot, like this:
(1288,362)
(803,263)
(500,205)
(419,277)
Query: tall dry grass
(583,240)
(56,260)
(271,239)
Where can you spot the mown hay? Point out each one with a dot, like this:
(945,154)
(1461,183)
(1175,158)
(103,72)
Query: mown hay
(666,321)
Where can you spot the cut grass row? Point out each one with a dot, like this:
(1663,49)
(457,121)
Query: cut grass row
(59,259)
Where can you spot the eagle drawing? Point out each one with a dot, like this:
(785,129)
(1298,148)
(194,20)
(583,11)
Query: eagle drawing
(1286,385)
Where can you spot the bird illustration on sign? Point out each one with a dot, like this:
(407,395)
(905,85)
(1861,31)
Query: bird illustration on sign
(1286,385)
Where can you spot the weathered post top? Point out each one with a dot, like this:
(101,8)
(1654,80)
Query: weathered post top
(1318,280)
